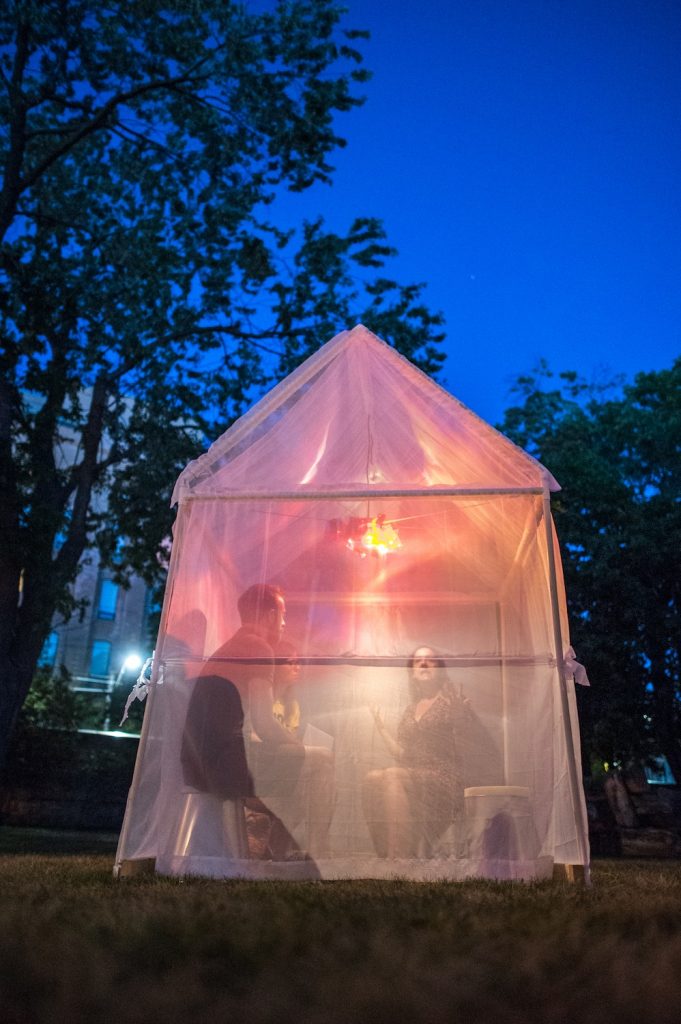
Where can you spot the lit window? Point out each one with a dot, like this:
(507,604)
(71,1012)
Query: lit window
(48,654)
(100,657)
(108,597)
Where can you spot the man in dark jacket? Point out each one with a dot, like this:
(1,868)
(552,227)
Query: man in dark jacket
(233,745)
(232,699)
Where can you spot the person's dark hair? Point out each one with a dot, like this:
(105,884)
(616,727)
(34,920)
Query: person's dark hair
(411,660)
(439,662)
(257,601)
(285,653)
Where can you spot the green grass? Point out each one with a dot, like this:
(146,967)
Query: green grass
(77,946)
(45,840)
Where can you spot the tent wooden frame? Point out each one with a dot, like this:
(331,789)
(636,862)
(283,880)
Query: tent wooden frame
(127,866)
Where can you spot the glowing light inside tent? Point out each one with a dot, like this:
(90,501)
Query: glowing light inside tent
(380,538)
(367,536)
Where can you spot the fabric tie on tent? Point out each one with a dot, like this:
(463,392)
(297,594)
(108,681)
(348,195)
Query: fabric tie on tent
(140,687)
(575,668)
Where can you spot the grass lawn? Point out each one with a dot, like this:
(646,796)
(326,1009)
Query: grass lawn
(77,946)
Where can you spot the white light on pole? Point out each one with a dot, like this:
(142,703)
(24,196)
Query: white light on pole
(132,663)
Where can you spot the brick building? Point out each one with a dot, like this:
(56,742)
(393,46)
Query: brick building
(93,646)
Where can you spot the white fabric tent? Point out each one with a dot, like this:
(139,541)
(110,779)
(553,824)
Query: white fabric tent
(392,518)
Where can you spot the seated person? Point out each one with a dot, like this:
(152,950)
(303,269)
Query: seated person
(410,805)
(233,746)
(285,707)
(299,788)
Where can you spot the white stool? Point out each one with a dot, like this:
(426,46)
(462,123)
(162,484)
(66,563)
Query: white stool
(500,824)
(211,827)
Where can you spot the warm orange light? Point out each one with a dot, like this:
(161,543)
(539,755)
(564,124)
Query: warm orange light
(366,536)
(380,538)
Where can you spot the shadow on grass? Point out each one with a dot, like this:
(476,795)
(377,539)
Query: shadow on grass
(60,842)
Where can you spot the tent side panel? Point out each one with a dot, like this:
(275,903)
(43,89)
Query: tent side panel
(304,795)
(571,832)
(139,833)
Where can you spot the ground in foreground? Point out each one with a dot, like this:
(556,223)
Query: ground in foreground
(77,946)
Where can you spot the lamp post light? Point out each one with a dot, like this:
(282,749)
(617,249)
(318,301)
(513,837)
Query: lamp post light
(131,664)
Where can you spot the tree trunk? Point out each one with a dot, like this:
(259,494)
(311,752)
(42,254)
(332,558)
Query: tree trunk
(16,674)
(28,601)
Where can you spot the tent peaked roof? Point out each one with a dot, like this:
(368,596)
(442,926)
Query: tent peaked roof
(355,416)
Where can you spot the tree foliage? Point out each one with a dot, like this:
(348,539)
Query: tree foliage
(617,453)
(147,293)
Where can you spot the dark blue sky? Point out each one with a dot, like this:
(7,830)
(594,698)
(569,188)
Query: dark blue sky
(526,159)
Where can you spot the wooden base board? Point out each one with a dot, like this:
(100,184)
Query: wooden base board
(576,874)
(133,868)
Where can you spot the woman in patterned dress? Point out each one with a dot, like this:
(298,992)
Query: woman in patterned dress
(410,805)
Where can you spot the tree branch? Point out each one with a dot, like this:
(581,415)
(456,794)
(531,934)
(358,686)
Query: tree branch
(11,185)
(86,476)
(14,185)
(150,348)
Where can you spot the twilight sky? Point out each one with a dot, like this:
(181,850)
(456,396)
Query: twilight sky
(525,156)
